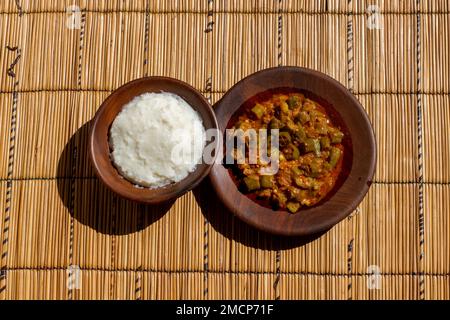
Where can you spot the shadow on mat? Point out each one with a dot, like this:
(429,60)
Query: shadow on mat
(231,227)
(93,204)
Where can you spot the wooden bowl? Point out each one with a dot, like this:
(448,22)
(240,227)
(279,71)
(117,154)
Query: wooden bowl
(99,147)
(361,162)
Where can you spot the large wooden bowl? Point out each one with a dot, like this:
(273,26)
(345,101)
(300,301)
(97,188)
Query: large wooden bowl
(99,147)
(360,167)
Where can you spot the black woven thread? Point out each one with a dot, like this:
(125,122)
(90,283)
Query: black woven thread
(425,183)
(360,93)
(72,222)
(236,272)
(350,269)
(443,184)
(74,160)
(48,178)
(420,157)
(242,12)
(279,55)
(81,40)
(350,59)
(146,32)
(138,279)
(350,74)
(205,258)
(12,144)
(19,7)
(140,222)
(208,88)
(112,279)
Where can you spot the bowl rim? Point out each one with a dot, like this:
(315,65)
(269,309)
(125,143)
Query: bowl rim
(324,225)
(94,122)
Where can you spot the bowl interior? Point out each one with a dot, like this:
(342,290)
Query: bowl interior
(99,145)
(354,186)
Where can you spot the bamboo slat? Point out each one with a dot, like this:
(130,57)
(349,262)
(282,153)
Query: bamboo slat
(241,286)
(36,284)
(38,226)
(326,255)
(244,6)
(3,223)
(359,289)
(48,136)
(313,287)
(215,97)
(170,243)
(43,43)
(242,44)
(436,132)
(51,284)
(232,245)
(352,6)
(5,125)
(323,50)
(435,6)
(42,133)
(245,254)
(380,55)
(124,235)
(127,286)
(437,224)
(435,60)
(385,6)
(172,286)
(83,110)
(391,287)
(10,30)
(95,285)
(386,230)
(178,6)
(394,121)
(437,288)
(95,211)
(32,6)
(337,6)
(113,49)
(8,6)
(177,47)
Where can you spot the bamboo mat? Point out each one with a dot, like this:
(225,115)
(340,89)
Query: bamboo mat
(65,236)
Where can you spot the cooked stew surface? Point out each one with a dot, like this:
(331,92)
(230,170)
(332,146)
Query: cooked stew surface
(311,151)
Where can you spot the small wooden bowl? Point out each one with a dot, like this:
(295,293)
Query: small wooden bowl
(353,187)
(99,146)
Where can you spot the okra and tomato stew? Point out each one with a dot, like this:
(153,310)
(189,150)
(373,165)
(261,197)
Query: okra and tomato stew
(310,152)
